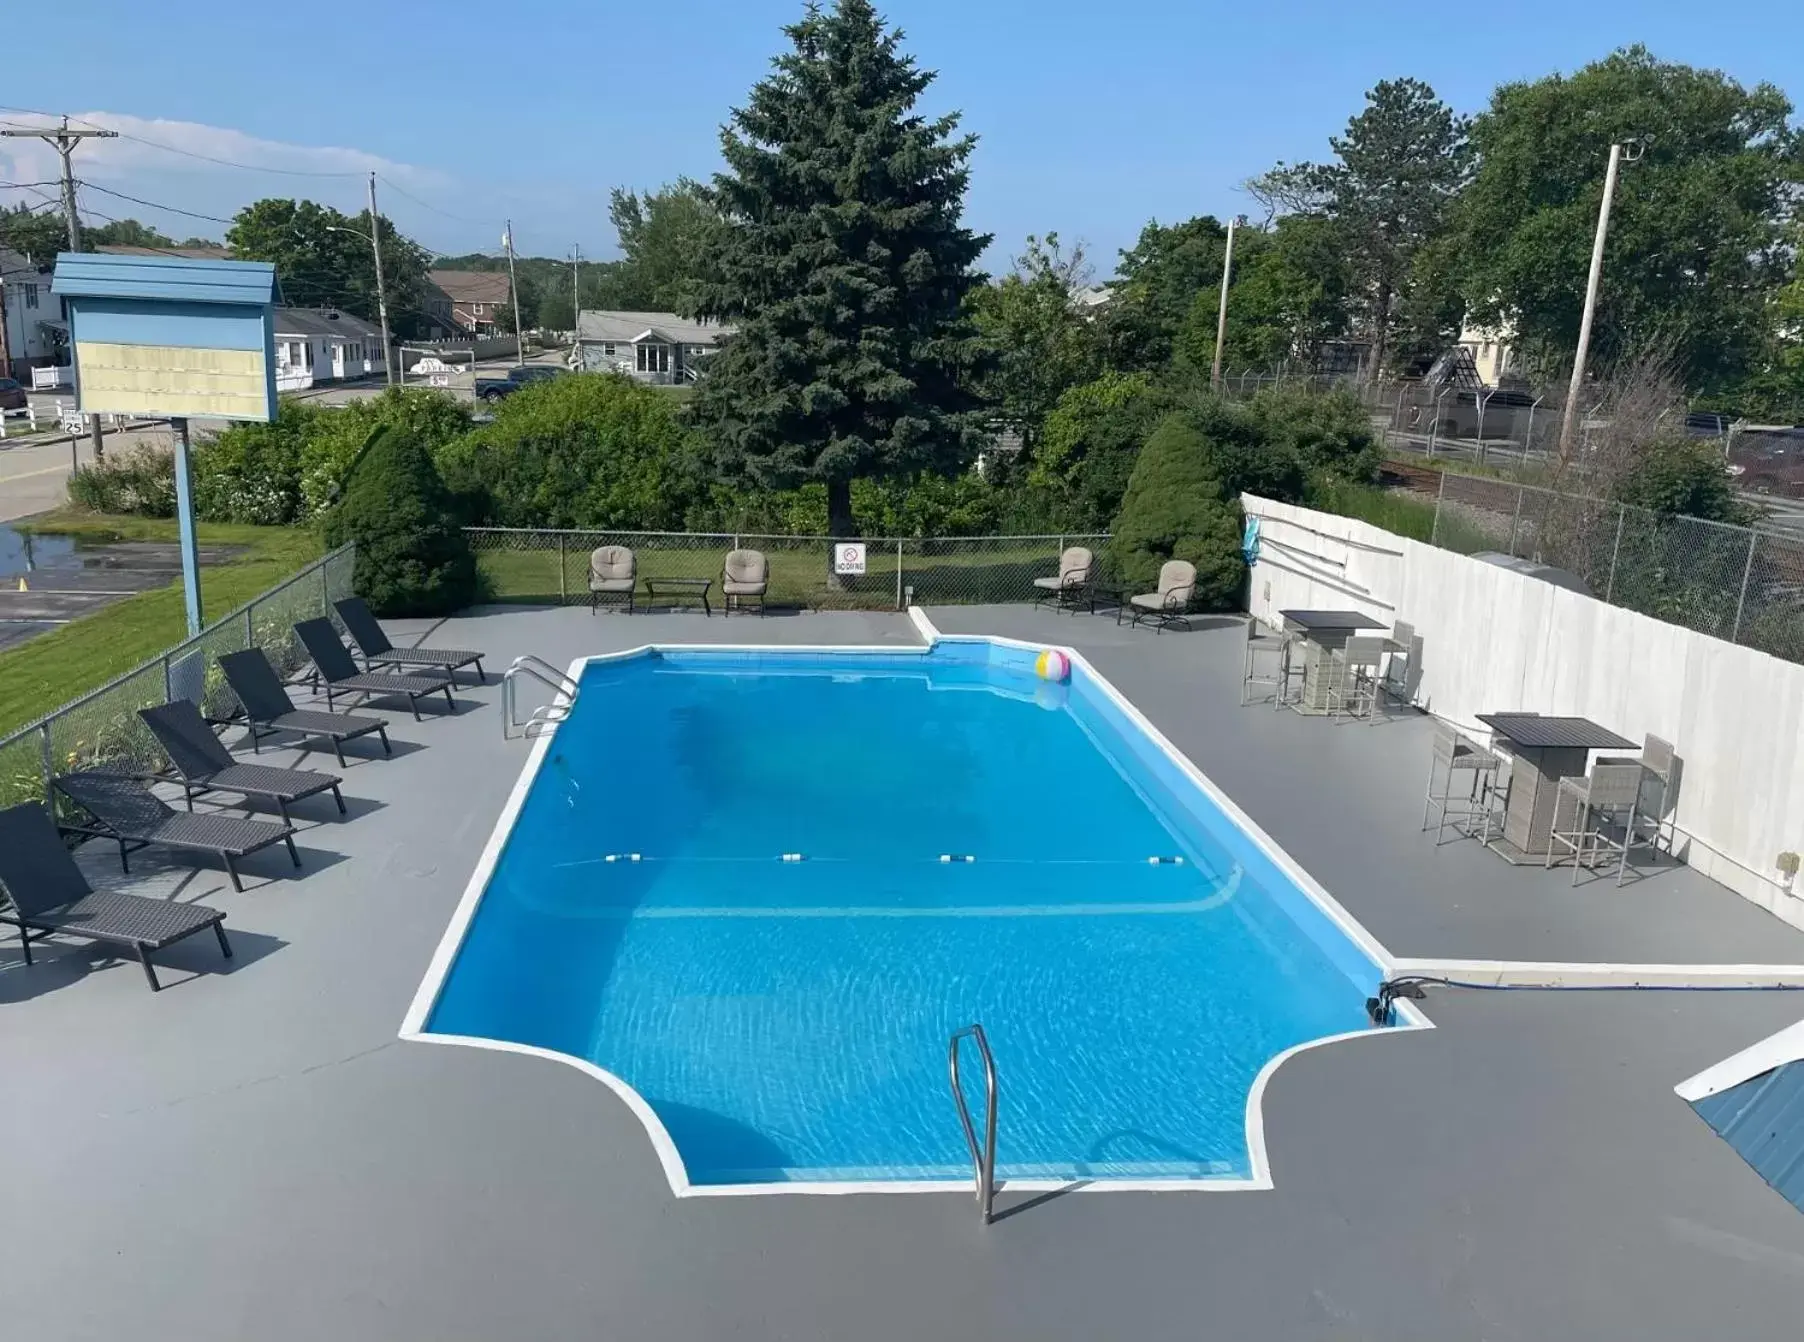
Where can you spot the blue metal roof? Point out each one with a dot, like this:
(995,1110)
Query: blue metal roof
(1763,1119)
(170,278)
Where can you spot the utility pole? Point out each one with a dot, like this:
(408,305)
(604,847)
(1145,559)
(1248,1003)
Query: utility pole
(514,288)
(1628,151)
(388,367)
(1221,315)
(576,299)
(64,141)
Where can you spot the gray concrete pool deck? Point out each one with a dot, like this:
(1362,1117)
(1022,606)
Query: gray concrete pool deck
(254,1154)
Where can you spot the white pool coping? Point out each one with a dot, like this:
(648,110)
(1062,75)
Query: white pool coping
(1491,973)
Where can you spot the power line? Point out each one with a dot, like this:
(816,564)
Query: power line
(186,153)
(228,163)
(244,167)
(460,218)
(149,247)
(155,205)
(38,111)
(27,186)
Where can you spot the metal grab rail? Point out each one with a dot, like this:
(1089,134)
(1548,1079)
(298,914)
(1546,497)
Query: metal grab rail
(983,1162)
(545,715)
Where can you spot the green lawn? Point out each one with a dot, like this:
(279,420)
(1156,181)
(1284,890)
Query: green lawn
(54,668)
(975,572)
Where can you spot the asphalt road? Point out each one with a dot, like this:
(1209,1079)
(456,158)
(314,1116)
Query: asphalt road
(32,476)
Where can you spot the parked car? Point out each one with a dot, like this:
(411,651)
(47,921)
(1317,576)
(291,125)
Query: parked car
(12,394)
(492,389)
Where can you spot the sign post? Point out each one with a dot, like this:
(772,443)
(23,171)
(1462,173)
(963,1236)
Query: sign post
(184,513)
(169,338)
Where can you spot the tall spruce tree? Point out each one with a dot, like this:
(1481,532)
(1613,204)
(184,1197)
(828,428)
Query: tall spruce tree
(844,266)
(1387,196)
(1400,165)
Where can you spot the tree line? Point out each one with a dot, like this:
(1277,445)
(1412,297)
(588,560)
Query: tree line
(1423,221)
(873,357)
(873,362)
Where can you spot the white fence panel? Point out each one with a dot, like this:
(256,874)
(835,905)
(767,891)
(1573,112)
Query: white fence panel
(1497,641)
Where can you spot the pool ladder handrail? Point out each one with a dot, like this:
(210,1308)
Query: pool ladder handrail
(983,1160)
(543,717)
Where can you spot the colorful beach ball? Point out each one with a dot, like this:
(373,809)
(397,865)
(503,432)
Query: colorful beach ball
(1053,665)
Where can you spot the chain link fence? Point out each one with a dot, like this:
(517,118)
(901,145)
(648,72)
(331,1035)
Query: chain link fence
(1502,428)
(1734,583)
(552,567)
(102,727)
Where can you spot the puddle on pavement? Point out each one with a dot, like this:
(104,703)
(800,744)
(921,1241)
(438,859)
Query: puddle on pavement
(26,552)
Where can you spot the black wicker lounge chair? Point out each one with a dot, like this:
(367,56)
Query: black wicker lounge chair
(203,764)
(132,816)
(378,651)
(49,894)
(267,707)
(338,671)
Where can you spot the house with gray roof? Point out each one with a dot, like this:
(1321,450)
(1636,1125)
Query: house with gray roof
(657,347)
(315,345)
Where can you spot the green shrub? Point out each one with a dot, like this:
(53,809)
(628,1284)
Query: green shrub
(252,472)
(431,418)
(275,474)
(1088,444)
(1241,452)
(589,450)
(1175,508)
(1328,433)
(140,483)
(412,557)
(1683,477)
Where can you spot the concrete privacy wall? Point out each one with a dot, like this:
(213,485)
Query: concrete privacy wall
(1496,641)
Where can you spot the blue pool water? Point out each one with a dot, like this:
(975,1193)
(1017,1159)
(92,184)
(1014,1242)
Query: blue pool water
(789,1020)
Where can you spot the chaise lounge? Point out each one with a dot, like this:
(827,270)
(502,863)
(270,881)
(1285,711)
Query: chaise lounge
(339,674)
(203,764)
(49,895)
(366,631)
(268,709)
(132,816)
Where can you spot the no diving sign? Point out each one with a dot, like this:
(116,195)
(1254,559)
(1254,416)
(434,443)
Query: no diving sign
(848,558)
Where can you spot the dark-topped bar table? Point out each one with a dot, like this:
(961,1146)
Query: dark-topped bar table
(1545,750)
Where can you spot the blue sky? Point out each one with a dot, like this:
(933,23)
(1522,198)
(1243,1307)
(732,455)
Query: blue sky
(1093,118)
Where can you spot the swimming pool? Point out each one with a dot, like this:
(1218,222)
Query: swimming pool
(756,891)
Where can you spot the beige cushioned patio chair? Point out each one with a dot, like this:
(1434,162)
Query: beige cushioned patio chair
(1167,606)
(613,575)
(745,576)
(1075,568)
